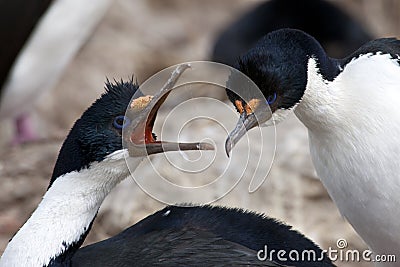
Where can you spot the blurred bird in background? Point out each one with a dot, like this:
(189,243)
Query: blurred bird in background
(39,38)
(339,33)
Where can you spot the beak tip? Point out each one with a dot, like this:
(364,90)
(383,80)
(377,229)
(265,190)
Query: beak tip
(228,146)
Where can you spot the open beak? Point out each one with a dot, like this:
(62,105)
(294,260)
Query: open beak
(245,123)
(139,137)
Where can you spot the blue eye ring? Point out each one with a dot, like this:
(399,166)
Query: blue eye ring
(271,99)
(120,122)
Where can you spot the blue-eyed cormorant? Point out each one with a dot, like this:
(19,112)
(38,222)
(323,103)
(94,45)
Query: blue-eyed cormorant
(350,107)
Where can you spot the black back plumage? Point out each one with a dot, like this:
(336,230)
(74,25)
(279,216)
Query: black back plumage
(389,46)
(186,247)
(198,236)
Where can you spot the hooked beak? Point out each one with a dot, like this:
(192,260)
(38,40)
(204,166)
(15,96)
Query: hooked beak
(139,136)
(245,123)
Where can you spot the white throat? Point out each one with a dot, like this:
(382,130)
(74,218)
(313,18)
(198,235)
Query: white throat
(65,213)
(322,101)
(354,124)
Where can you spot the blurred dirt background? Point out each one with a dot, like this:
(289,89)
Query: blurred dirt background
(142,37)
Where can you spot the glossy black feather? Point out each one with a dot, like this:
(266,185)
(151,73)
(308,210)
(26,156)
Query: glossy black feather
(243,233)
(186,247)
(389,46)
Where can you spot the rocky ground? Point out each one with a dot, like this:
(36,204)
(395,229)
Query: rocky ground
(141,38)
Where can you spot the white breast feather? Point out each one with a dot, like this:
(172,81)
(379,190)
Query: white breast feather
(354,131)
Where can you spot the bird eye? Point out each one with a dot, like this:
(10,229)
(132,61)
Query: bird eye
(121,121)
(271,99)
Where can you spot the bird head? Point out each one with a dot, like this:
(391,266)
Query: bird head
(278,66)
(116,126)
